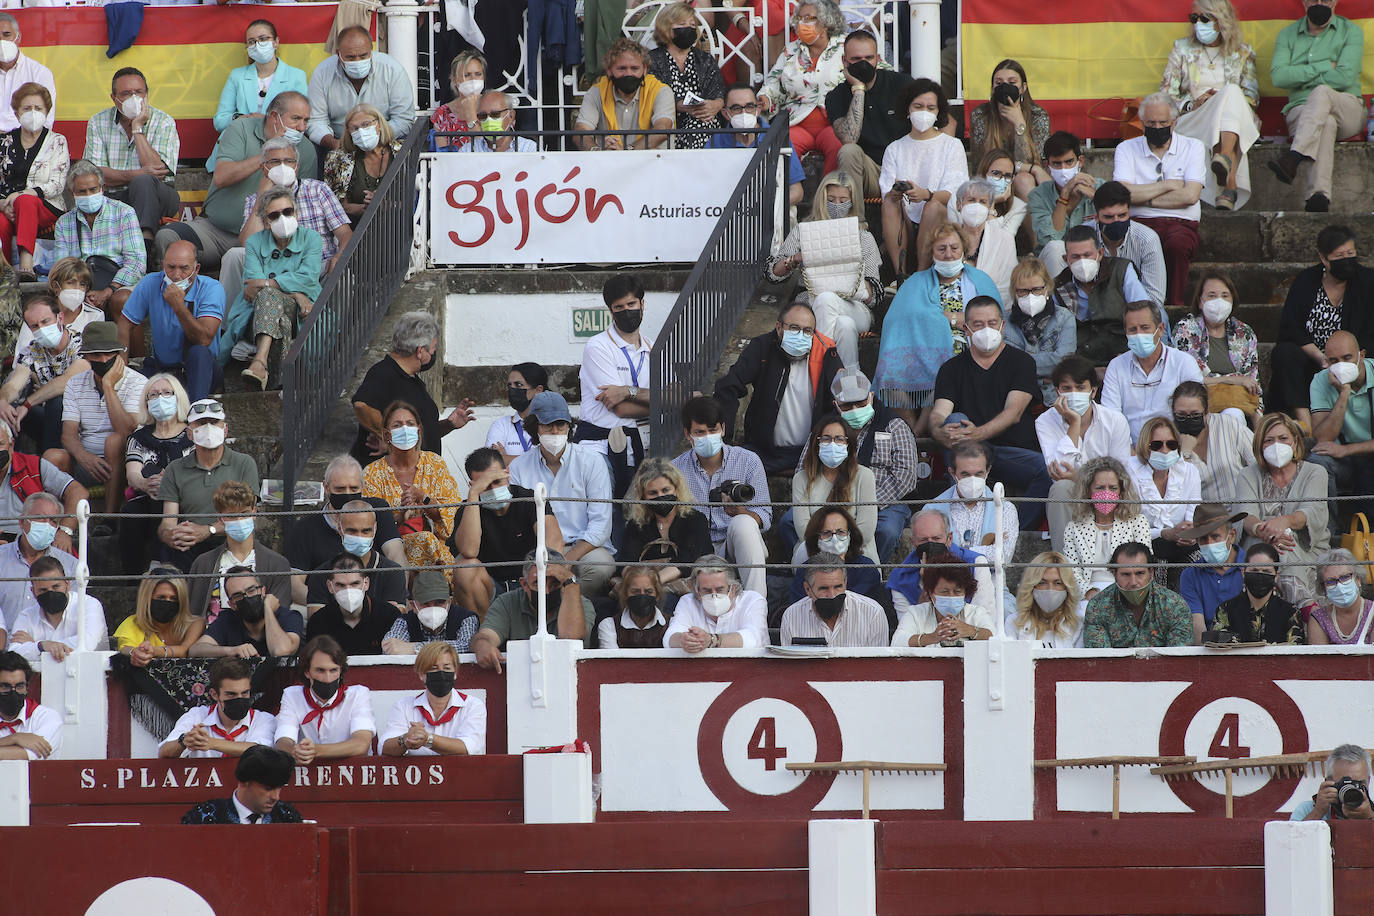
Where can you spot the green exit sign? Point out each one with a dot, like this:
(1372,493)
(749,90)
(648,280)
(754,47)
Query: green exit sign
(589,322)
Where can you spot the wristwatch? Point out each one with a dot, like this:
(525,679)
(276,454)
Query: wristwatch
(634,392)
(429,742)
(213,532)
(67,530)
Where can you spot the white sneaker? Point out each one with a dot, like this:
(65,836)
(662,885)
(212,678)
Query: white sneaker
(616,441)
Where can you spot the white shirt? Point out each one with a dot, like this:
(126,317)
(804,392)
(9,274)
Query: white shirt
(507,434)
(1108,434)
(748,617)
(985,597)
(862,622)
(1136,163)
(1126,387)
(794,411)
(261,726)
(966,527)
(1184,483)
(1054,640)
(609,360)
(353,714)
(921,620)
(84,404)
(38,720)
(936,164)
(468,724)
(244,813)
(33,622)
(605,630)
(26,70)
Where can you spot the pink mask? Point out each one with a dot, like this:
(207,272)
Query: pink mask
(1104,501)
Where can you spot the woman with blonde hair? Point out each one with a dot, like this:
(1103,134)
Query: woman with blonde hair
(467,77)
(161,438)
(1106,514)
(1038,321)
(663,527)
(366,150)
(1047,604)
(639,623)
(1169,489)
(692,74)
(844,285)
(438,720)
(161,625)
(1212,79)
(1010,120)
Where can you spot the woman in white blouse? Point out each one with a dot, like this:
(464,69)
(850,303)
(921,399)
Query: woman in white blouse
(991,248)
(1106,514)
(1008,210)
(1219,445)
(33,176)
(1047,607)
(946,615)
(1169,490)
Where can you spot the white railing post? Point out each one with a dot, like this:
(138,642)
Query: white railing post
(925,39)
(83,569)
(402,39)
(1298,872)
(541,559)
(542,640)
(999,568)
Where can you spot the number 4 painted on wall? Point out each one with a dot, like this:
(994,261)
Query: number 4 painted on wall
(1226,742)
(763,744)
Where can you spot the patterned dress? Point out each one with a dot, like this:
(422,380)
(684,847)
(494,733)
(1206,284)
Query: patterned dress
(425,541)
(699,76)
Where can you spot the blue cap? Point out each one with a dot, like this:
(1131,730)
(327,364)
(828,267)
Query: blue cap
(549,407)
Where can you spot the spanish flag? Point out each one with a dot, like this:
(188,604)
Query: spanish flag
(1081,52)
(186,52)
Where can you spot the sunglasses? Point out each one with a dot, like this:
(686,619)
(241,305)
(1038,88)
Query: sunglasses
(273,217)
(1170,445)
(1195,18)
(498,113)
(206,408)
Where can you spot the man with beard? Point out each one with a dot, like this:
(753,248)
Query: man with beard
(254,624)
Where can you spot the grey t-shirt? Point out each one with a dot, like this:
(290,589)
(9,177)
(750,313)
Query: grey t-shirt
(55,481)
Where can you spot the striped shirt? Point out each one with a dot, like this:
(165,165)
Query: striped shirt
(114,234)
(109,146)
(861,623)
(1230,450)
(83,403)
(736,464)
(318,208)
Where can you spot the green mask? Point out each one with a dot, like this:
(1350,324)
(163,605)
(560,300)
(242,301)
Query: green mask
(859,417)
(1135,596)
(493,125)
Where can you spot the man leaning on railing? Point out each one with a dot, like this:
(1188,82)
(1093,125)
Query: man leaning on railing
(626,97)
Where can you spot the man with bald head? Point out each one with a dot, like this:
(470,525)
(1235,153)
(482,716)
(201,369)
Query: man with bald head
(1342,402)
(496,113)
(184,311)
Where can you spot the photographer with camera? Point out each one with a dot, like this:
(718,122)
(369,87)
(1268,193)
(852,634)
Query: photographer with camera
(1344,793)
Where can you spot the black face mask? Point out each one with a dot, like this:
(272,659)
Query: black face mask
(1259,584)
(1005,94)
(53,602)
(236,708)
(684,36)
(325,690)
(828,608)
(555,598)
(641,606)
(1158,136)
(627,85)
(628,321)
(1115,232)
(11,704)
(164,610)
(429,363)
(862,70)
(518,398)
(339,500)
(102,369)
(252,609)
(1189,426)
(664,505)
(929,550)
(1343,269)
(1318,14)
(440,683)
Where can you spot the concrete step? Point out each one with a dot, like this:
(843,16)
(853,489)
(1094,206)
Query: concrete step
(1353,174)
(1256,281)
(1260,236)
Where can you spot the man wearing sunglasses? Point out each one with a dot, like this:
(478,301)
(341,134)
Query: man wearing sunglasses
(496,114)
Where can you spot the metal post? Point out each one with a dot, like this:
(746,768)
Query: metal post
(925,39)
(999,568)
(83,569)
(402,38)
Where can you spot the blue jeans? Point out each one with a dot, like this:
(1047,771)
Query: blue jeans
(199,367)
(1022,468)
(787,531)
(892,520)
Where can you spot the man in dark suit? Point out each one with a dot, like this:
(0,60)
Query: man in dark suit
(261,773)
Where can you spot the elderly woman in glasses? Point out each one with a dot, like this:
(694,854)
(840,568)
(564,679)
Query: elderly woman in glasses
(1344,617)
(281,280)
(355,169)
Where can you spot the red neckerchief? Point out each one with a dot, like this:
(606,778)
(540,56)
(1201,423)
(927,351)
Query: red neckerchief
(316,710)
(448,713)
(233,735)
(29,706)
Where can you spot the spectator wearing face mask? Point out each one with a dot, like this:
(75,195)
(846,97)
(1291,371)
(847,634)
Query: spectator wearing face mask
(831,614)
(1047,606)
(51,624)
(16,69)
(863,110)
(69,282)
(1226,348)
(507,434)
(438,721)
(162,625)
(1010,120)
(136,147)
(831,472)
(839,264)
(496,115)
(236,506)
(251,623)
(1066,200)
(358,74)
(103,233)
(1105,515)
(467,77)
(350,615)
(948,614)
(691,73)
(32,731)
(991,248)
(625,97)
(807,69)
(325,718)
(33,174)
(229,726)
(1135,611)
(250,90)
(1259,613)
(1121,237)
(1343,416)
(1039,322)
(1217,444)
(1008,210)
(1169,490)
(718,613)
(353,530)
(31,398)
(1140,382)
(640,623)
(1097,288)
(742,113)
(973,518)
(665,527)
(161,438)
(1217,575)
(431,615)
(513,616)
(931,537)
(832,529)
(366,150)
(38,521)
(184,311)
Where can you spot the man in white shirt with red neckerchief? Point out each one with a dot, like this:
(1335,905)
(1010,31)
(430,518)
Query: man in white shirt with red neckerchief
(438,719)
(227,727)
(325,719)
(28,731)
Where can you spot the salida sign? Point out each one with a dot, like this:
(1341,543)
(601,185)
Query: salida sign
(502,208)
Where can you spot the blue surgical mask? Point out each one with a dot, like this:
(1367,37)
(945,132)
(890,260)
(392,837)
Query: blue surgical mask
(1206,32)
(948,605)
(1078,401)
(41,534)
(495,499)
(356,544)
(240,529)
(405,438)
(162,407)
(1216,553)
(795,343)
(260,52)
(833,454)
(1162,461)
(1342,594)
(358,69)
(999,185)
(90,203)
(1142,345)
(949,269)
(293,136)
(49,336)
(709,445)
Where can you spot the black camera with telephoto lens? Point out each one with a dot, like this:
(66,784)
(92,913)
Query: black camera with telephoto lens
(1351,793)
(737,491)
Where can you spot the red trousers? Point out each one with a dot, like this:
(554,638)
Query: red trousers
(815,133)
(31,216)
(1178,238)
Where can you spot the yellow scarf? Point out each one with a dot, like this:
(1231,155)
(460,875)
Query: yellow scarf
(647,93)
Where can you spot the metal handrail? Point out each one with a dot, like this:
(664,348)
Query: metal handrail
(716,293)
(355,296)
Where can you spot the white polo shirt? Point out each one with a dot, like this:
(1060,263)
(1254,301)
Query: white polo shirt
(507,434)
(258,728)
(465,718)
(32,621)
(609,360)
(1136,163)
(35,719)
(1139,397)
(748,618)
(350,711)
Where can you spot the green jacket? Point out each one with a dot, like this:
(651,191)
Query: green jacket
(1303,61)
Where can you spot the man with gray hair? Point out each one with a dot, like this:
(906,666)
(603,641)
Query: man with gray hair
(718,614)
(396,377)
(1344,793)
(136,147)
(830,615)
(38,525)
(495,114)
(512,616)
(1165,173)
(16,69)
(104,233)
(317,538)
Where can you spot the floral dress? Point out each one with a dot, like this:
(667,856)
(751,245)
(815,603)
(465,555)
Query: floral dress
(952,301)
(802,84)
(699,76)
(425,541)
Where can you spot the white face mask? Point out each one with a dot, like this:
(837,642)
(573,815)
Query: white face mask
(284,227)
(8,51)
(974,215)
(986,339)
(1048,599)
(1032,304)
(1216,310)
(971,487)
(1084,270)
(432,618)
(132,107)
(837,544)
(744,120)
(350,600)
(1063,176)
(208,436)
(715,605)
(32,120)
(1344,373)
(922,120)
(553,444)
(71,299)
(1278,454)
(470,87)
(283,175)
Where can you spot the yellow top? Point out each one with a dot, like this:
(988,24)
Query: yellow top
(129,635)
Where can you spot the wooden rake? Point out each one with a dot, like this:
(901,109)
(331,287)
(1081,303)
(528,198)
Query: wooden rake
(866,768)
(1274,766)
(1116,763)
